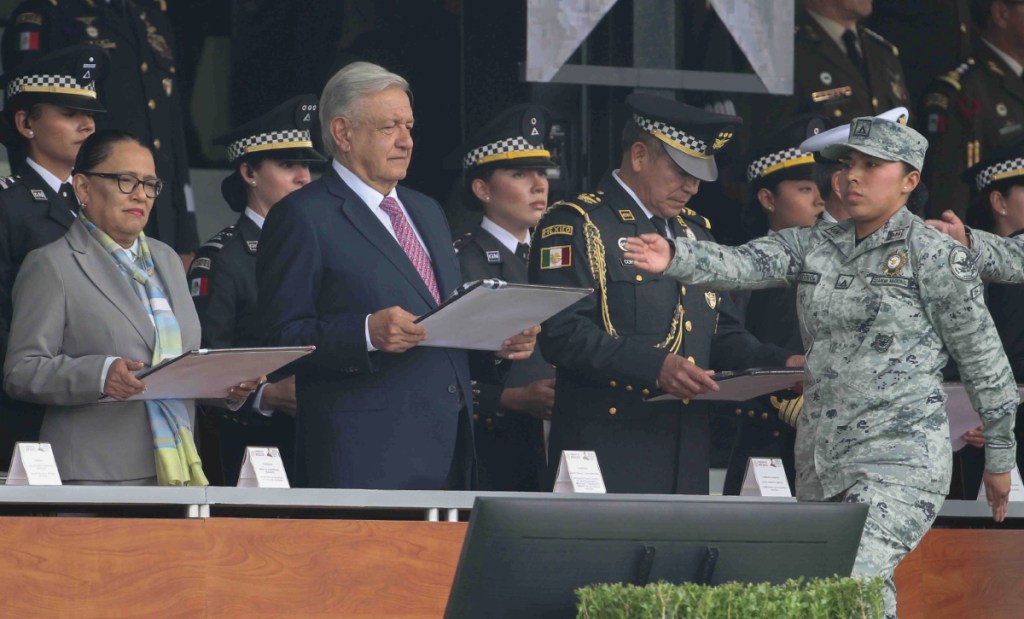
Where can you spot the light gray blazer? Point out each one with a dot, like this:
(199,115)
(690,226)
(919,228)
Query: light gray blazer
(74,307)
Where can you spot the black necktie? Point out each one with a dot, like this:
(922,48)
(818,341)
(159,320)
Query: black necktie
(523,251)
(850,41)
(67,192)
(661,225)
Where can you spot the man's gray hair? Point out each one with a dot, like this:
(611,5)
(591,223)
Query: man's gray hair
(344,90)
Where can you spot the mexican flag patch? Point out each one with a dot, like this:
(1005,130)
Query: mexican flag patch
(556,257)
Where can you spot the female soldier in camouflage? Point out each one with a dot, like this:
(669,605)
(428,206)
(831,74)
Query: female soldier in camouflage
(882,297)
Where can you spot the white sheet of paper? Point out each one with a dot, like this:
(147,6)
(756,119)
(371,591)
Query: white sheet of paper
(33,465)
(483,318)
(962,416)
(1016,488)
(262,467)
(579,472)
(745,387)
(205,373)
(765,477)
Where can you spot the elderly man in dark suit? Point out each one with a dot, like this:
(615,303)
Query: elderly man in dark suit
(347,263)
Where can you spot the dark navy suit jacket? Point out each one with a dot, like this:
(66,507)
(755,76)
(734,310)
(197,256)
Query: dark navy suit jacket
(365,420)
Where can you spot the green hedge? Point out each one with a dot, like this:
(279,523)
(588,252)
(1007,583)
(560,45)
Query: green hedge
(825,598)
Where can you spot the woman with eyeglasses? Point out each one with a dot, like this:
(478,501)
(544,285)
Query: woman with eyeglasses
(93,308)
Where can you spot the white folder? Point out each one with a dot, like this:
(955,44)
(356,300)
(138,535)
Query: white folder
(209,374)
(484,313)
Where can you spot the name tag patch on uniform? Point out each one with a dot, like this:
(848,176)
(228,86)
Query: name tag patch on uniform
(962,265)
(202,263)
(898,234)
(843,282)
(39,195)
(493,257)
(902,282)
(806,277)
(200,286)
(556,257)
(553,230)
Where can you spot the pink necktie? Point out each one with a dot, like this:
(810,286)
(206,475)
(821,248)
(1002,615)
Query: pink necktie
(411,245)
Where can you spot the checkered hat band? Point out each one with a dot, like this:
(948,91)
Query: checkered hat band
(674,137)
(508,148)
(57,84)
(999,171)
(776,161)
(275,140)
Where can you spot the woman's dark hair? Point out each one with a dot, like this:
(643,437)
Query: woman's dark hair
(97,147)
(979,213)
(469,199)
(9,133)
(754,220)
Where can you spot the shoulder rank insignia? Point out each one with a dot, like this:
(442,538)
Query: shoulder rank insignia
(992,66)
(589,198)
(885,43)
(217,242)
(462,241)
(953,77)
(8,181)
(692,214)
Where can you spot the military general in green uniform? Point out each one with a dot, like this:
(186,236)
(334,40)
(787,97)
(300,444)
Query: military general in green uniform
(640,335)
(841,69)
(976,107)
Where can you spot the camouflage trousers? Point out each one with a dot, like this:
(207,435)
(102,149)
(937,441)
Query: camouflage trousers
(898,518)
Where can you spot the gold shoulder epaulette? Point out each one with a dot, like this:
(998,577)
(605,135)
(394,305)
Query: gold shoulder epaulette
(581,203)
(953,77)
(692,214)
(885,43)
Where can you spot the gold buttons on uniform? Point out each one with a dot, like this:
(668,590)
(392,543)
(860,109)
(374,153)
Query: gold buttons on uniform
(639,278)
(152,104)
(689,326)
(874,101)
(629,387)
(751,413)
(686,401)
(739,411)
(144,67)
(837,113)
(764,416)
(156,143)
(612,410)
(613,384)
(963,27)
(775,433)
(682,290)
(646,392)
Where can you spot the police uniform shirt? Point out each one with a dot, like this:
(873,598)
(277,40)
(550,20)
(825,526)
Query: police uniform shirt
(877,317)
(826,82)
(966,114)
(140,91)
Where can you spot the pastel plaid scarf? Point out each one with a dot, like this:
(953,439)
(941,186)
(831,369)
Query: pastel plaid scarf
(177,460)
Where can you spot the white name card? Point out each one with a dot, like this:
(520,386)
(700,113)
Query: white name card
(33,465)
(262,467)
(1016,488)
(578,471)
(765,477)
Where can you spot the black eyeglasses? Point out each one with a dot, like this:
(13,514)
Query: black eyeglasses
(128,182)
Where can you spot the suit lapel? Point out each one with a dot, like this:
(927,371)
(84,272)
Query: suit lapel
(100,268)
(57,208)
(358,212)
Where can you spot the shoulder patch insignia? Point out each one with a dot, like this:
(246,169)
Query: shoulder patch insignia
(626,215)
(557,257)
(34,19)
(199,286)
(201,263)
(961,264)
(553,230)
(252,245)
(843,282)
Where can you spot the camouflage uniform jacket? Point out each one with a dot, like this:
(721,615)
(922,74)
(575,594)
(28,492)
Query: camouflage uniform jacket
(999,259)
(877,319)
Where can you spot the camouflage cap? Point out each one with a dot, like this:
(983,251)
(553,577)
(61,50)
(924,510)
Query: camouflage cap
(884,139)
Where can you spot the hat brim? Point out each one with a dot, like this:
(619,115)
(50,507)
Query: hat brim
(286,154)
(22,101)
(233,190)
(701,169)
(520,163)
(838,151)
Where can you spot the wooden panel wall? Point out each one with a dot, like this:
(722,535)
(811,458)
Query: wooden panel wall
(227,567)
